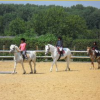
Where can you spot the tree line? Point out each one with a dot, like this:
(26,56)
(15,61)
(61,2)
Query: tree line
(29,20)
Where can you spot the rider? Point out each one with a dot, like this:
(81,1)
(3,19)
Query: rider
(59,45)
(95,48)
(22,47)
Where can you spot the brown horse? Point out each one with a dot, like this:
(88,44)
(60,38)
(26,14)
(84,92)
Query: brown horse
(93,57)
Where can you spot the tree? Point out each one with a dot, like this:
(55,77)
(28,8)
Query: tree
(49,21)
(56,21)
(75,26)
(17,27)
(1,26)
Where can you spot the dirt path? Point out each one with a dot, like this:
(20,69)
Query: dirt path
(80,83)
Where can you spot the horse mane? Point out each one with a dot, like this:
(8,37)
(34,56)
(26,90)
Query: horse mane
(90,50)
(17,48)
(88,47)
(51,45)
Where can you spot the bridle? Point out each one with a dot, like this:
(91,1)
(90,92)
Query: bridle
(13,50)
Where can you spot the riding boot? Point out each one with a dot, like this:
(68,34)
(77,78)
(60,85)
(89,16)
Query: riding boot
(96,55)
(59,56)
(62,53)
(25,57)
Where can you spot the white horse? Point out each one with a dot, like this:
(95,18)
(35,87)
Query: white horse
(55,55)
(19,59)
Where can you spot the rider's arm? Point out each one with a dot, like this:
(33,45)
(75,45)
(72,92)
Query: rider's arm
(96,48)
(62,43)
(57,44)
(19,47)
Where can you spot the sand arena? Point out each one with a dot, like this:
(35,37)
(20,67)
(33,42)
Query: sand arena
(80,83)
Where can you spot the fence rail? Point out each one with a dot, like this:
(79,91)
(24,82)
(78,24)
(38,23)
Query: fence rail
(38,51)
(1,51)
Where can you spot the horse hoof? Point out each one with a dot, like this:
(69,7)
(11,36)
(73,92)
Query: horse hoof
(24,73)
(50,70)
(35,72)
(31,72)
(69,69)
(57,70)
(14,72)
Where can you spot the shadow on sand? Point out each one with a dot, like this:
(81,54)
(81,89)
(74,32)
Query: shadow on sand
(67,71)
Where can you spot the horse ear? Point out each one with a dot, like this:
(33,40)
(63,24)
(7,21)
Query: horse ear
(88,47)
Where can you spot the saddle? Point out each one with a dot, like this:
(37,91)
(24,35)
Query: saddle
(97,54)
(60,51)
(24,55)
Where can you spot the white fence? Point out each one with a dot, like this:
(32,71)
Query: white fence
(38,51)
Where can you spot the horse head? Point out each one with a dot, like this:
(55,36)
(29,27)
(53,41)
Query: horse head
(88,50)
(14,48)
(47,49)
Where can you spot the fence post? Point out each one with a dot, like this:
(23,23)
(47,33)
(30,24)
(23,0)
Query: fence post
(3,46)
(74,48)
(3,49)
(37,47)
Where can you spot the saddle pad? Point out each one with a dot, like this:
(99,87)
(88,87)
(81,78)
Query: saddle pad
(64,49)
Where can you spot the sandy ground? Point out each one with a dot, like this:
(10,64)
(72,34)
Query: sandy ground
(80,83)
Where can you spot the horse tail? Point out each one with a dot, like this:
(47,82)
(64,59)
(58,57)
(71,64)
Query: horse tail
(34,55)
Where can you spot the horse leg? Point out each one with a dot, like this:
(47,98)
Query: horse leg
(92,67)
(52,65)
(31,67)
(14,71)
(23,68)
(92,64)
(34,67)
(98,61)
(98,65)
(67,61)
(56,67)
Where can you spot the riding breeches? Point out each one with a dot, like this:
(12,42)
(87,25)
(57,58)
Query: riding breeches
(60,48)
(24,53)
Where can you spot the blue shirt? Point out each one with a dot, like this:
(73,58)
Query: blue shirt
(59,43)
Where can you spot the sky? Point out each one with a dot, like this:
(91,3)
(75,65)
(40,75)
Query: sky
(61,3)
